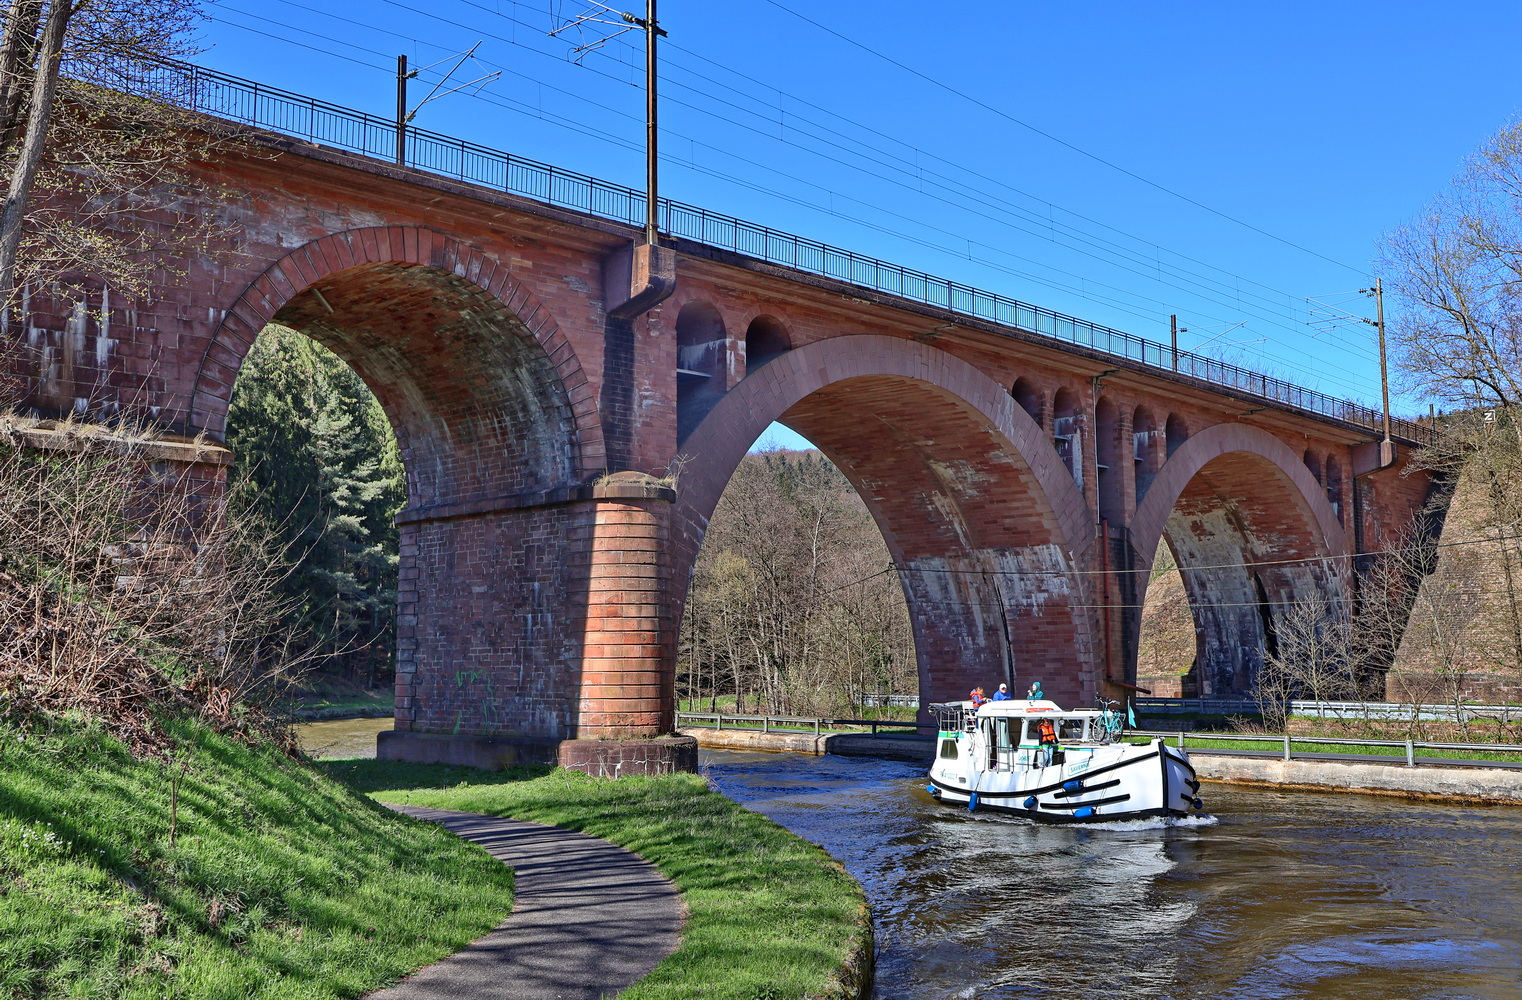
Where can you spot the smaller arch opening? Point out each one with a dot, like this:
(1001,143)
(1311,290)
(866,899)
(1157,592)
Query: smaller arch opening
(766,338)
(700,346)
(1067,436)
(1175,433)
(1146,449)
(1029,398)
(1334,487)
(1313,463)
(1107,462)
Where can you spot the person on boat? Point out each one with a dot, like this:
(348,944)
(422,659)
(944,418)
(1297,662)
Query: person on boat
(1003,693)
(978,697)
(1035,693)
(1046,741)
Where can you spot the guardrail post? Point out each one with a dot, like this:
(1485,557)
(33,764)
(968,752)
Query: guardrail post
(766,723)
(1181,739)
(1286,747)
(718,721)
(1410,754)
(816,727)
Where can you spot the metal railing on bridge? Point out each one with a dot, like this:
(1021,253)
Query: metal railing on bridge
(291,114)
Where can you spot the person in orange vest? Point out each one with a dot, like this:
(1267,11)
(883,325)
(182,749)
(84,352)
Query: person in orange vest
(978,697)
(1046,739)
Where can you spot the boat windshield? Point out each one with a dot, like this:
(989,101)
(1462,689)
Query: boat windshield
(1069,730)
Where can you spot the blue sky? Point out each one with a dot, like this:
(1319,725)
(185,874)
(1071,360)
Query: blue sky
(1120,162)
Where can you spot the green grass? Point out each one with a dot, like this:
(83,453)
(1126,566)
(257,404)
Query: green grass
(281,882)
(770,915)
(1300,746)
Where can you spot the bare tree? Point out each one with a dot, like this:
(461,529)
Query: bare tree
(124,588)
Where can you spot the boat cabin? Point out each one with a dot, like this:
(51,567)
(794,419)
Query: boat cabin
(1006,735)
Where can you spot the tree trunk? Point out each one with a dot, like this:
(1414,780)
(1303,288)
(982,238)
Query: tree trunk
(17,52)
(39,114)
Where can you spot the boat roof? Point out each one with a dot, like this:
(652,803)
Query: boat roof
(1021,706)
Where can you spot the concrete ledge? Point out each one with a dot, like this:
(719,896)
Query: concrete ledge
(914,749)
(489,753)
(1446,784)
(619,758)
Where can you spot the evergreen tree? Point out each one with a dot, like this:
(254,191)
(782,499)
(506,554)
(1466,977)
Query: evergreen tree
(317,460)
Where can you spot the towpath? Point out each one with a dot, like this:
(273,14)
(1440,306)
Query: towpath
(589,918)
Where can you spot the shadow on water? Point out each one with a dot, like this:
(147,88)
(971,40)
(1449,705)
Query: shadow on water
(1276,895)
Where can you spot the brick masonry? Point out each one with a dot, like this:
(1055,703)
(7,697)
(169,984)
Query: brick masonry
(1022,485)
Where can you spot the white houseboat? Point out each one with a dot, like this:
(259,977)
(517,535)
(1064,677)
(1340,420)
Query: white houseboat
(1032,758)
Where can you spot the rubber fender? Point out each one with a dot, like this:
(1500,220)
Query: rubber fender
(933,790)
(1085,811)
(972,802)
(1197,803)
(1030,803)
(1073,786)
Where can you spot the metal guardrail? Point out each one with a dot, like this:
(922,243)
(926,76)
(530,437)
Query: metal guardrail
(1332,709)
(1408,747)
(767,723)
(288,113)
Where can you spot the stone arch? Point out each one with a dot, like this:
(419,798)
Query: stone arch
(981,517)
(430,269)
(766,338)
(701,354)
(498,427)
(1252,533)
(1028,396)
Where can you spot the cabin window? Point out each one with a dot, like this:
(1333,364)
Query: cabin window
(948,749)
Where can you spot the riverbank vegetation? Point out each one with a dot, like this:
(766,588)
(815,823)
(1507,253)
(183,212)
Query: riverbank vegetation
(769,914)
(222,869)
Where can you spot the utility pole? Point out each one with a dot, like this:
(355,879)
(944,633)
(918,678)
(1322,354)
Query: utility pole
(1384,372)
(402,76)
(1174,329)
(652,199)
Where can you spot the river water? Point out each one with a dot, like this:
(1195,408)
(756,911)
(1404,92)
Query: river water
(1273,895)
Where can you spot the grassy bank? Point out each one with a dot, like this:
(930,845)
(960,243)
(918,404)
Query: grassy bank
(770,915)
(279,882)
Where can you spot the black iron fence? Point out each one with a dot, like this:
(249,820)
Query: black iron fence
(326,124)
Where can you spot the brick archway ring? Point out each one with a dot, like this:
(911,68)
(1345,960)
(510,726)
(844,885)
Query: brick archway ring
(303,267)
(719,443)
(1151,518)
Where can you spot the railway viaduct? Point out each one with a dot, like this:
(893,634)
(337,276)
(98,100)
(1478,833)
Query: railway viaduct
(545,378)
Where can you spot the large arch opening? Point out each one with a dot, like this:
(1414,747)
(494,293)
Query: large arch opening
(1236,525)
(956,477)
(485,430)
(701,343)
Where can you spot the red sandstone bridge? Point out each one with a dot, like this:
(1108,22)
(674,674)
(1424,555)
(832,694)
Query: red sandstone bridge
(542,374)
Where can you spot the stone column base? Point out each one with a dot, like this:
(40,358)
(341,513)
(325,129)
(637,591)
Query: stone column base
(600,758)
(617,758)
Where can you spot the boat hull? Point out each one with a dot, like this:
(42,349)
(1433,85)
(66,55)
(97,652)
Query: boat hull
(1151,780)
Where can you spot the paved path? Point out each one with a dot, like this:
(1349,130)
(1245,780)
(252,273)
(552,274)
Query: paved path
(588,919)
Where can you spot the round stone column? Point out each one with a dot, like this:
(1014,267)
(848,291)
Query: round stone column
(628,701)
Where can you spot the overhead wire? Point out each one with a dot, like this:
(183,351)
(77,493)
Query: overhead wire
(1061,142)
(1085,283)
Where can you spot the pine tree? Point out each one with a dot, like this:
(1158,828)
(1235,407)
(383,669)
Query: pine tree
(316,458)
